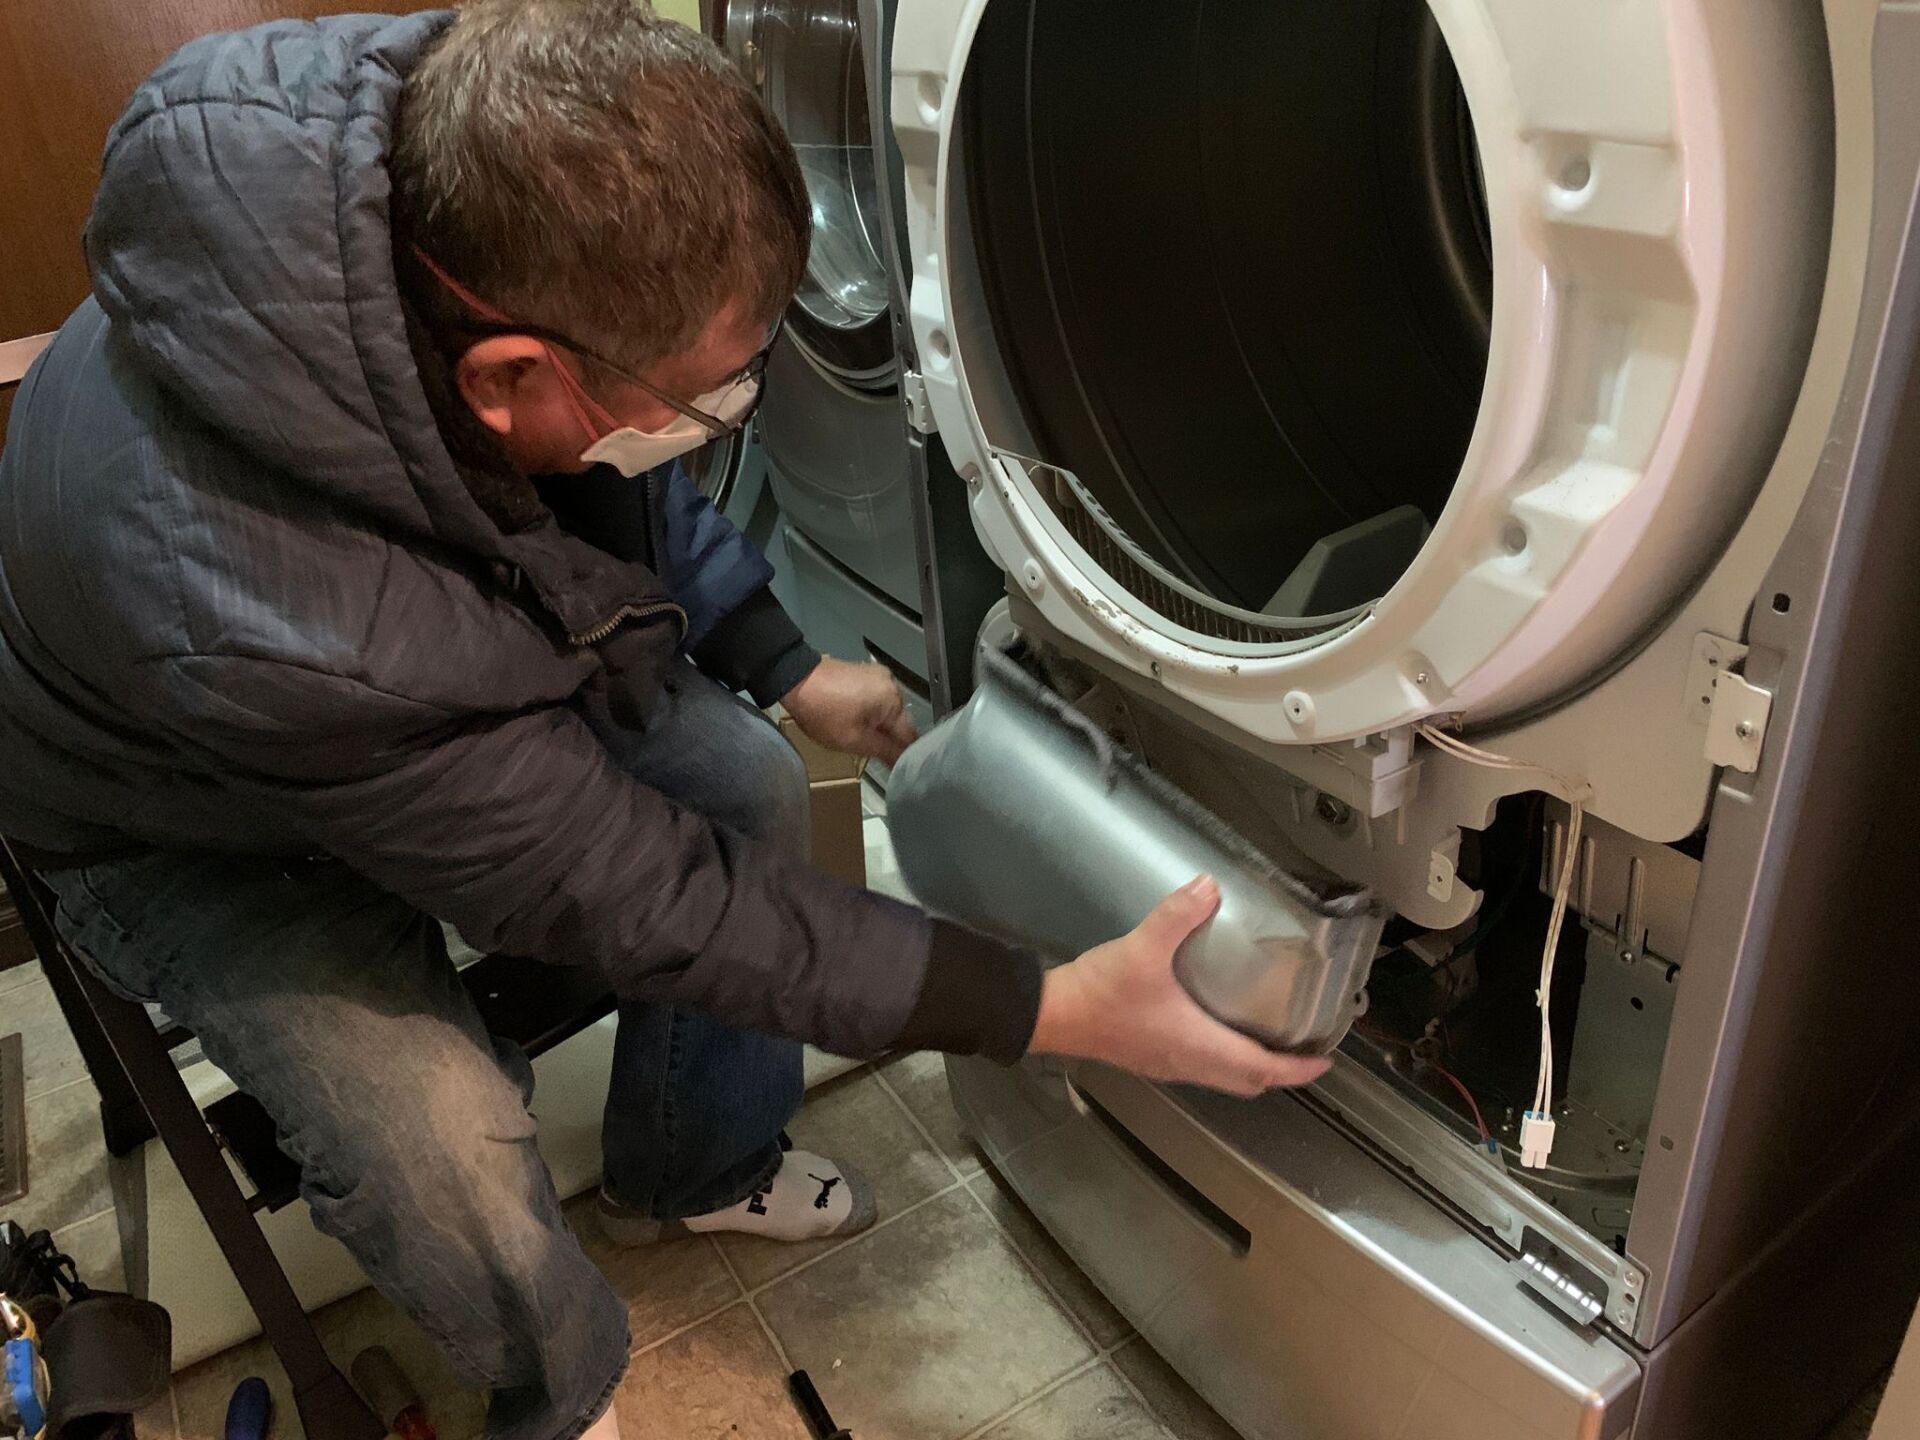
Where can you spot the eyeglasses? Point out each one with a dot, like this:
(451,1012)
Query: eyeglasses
(752,373)
(495,322)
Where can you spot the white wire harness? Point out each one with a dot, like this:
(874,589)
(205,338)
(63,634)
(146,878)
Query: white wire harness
(1536,1125)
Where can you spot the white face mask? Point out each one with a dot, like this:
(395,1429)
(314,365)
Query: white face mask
(634,452)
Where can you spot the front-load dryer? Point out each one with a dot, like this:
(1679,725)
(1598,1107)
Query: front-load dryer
(1468,446)
(832,429)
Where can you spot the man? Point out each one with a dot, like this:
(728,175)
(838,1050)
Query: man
(347,587)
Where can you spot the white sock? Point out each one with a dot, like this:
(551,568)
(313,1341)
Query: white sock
(811,1196)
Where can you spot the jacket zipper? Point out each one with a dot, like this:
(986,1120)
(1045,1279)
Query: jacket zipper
(634,612)
(625,613)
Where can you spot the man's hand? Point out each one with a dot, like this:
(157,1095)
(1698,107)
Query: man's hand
(1121,1003)
(852,708)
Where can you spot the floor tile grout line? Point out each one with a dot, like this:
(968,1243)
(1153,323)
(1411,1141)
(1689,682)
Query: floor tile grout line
(1131,1388)
(1033,1268)
(65,1085)
(1102,1354)
(1073,1317)
(21,982)
(92,1219)
(693,1324)
(108,1209)
(726,1263)
(1084,1367)
(755,1292)
(915,1121)
(779,1347)
(751,1294)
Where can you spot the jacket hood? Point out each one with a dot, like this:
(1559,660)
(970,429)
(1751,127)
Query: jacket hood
(241,246)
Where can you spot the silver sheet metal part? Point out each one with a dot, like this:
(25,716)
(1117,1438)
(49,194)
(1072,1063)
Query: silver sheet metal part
(1020,817)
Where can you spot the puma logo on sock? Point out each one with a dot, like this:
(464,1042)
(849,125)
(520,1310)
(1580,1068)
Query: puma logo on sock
(796,1204)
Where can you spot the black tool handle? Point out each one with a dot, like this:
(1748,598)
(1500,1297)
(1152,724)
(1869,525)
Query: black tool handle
(814,1409)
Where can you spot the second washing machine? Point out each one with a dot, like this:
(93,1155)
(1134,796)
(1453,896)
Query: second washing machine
(831,439)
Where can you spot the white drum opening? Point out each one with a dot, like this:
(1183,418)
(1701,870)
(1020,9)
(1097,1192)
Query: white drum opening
(1337,364)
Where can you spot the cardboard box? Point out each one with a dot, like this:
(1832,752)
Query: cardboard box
(833,792)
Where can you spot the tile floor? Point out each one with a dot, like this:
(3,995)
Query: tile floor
(67,1185)
(956,1318)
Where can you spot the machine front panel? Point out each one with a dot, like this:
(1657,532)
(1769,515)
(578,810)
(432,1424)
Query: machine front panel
(1270,1280)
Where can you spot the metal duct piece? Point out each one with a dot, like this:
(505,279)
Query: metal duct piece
(1020,817)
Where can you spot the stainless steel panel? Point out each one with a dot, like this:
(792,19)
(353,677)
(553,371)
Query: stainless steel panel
(1637,890)
(846,619)
(1019,815)
(1785,1345)
(1480,1190)
(1626,1012)
(1304,1290)
(840,468)
(1793,1041)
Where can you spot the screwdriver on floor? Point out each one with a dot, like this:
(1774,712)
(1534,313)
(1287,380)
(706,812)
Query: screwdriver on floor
(814,1408)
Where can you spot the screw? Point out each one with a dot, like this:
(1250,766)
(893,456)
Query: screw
(1623,1146)
(1421,678)
(1626,957)
(1330,810)
(1744,730)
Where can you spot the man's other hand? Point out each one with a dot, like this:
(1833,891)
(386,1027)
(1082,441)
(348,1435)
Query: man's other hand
(1121,1003)
(856,709)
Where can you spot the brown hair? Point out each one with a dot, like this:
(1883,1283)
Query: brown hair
(594,169)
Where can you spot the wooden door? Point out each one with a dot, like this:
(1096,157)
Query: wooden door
(66,69)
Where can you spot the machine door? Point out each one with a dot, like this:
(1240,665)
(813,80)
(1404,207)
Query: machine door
(832,431)
(715,469)
(805,58)
(1336,364)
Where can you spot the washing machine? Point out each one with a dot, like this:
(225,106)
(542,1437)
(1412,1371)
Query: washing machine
(1470,447)
(832,432)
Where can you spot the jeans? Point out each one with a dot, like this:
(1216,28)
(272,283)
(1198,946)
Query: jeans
(335,1005)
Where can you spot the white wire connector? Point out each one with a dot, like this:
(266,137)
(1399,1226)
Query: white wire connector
(1536,1139)
(1536,1128)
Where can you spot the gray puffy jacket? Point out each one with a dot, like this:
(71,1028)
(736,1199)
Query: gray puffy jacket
(250,603)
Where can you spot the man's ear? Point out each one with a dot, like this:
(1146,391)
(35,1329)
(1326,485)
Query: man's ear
(495,375)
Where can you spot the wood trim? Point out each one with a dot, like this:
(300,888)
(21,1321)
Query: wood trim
(17,355)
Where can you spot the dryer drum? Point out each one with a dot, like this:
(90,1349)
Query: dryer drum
(1237,262)
(1019,816)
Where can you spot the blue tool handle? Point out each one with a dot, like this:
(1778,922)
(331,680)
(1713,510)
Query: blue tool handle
(24,1387)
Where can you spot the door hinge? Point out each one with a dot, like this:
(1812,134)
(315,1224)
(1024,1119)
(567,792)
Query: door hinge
(1562,1282)
(1733,709)
(913,390)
